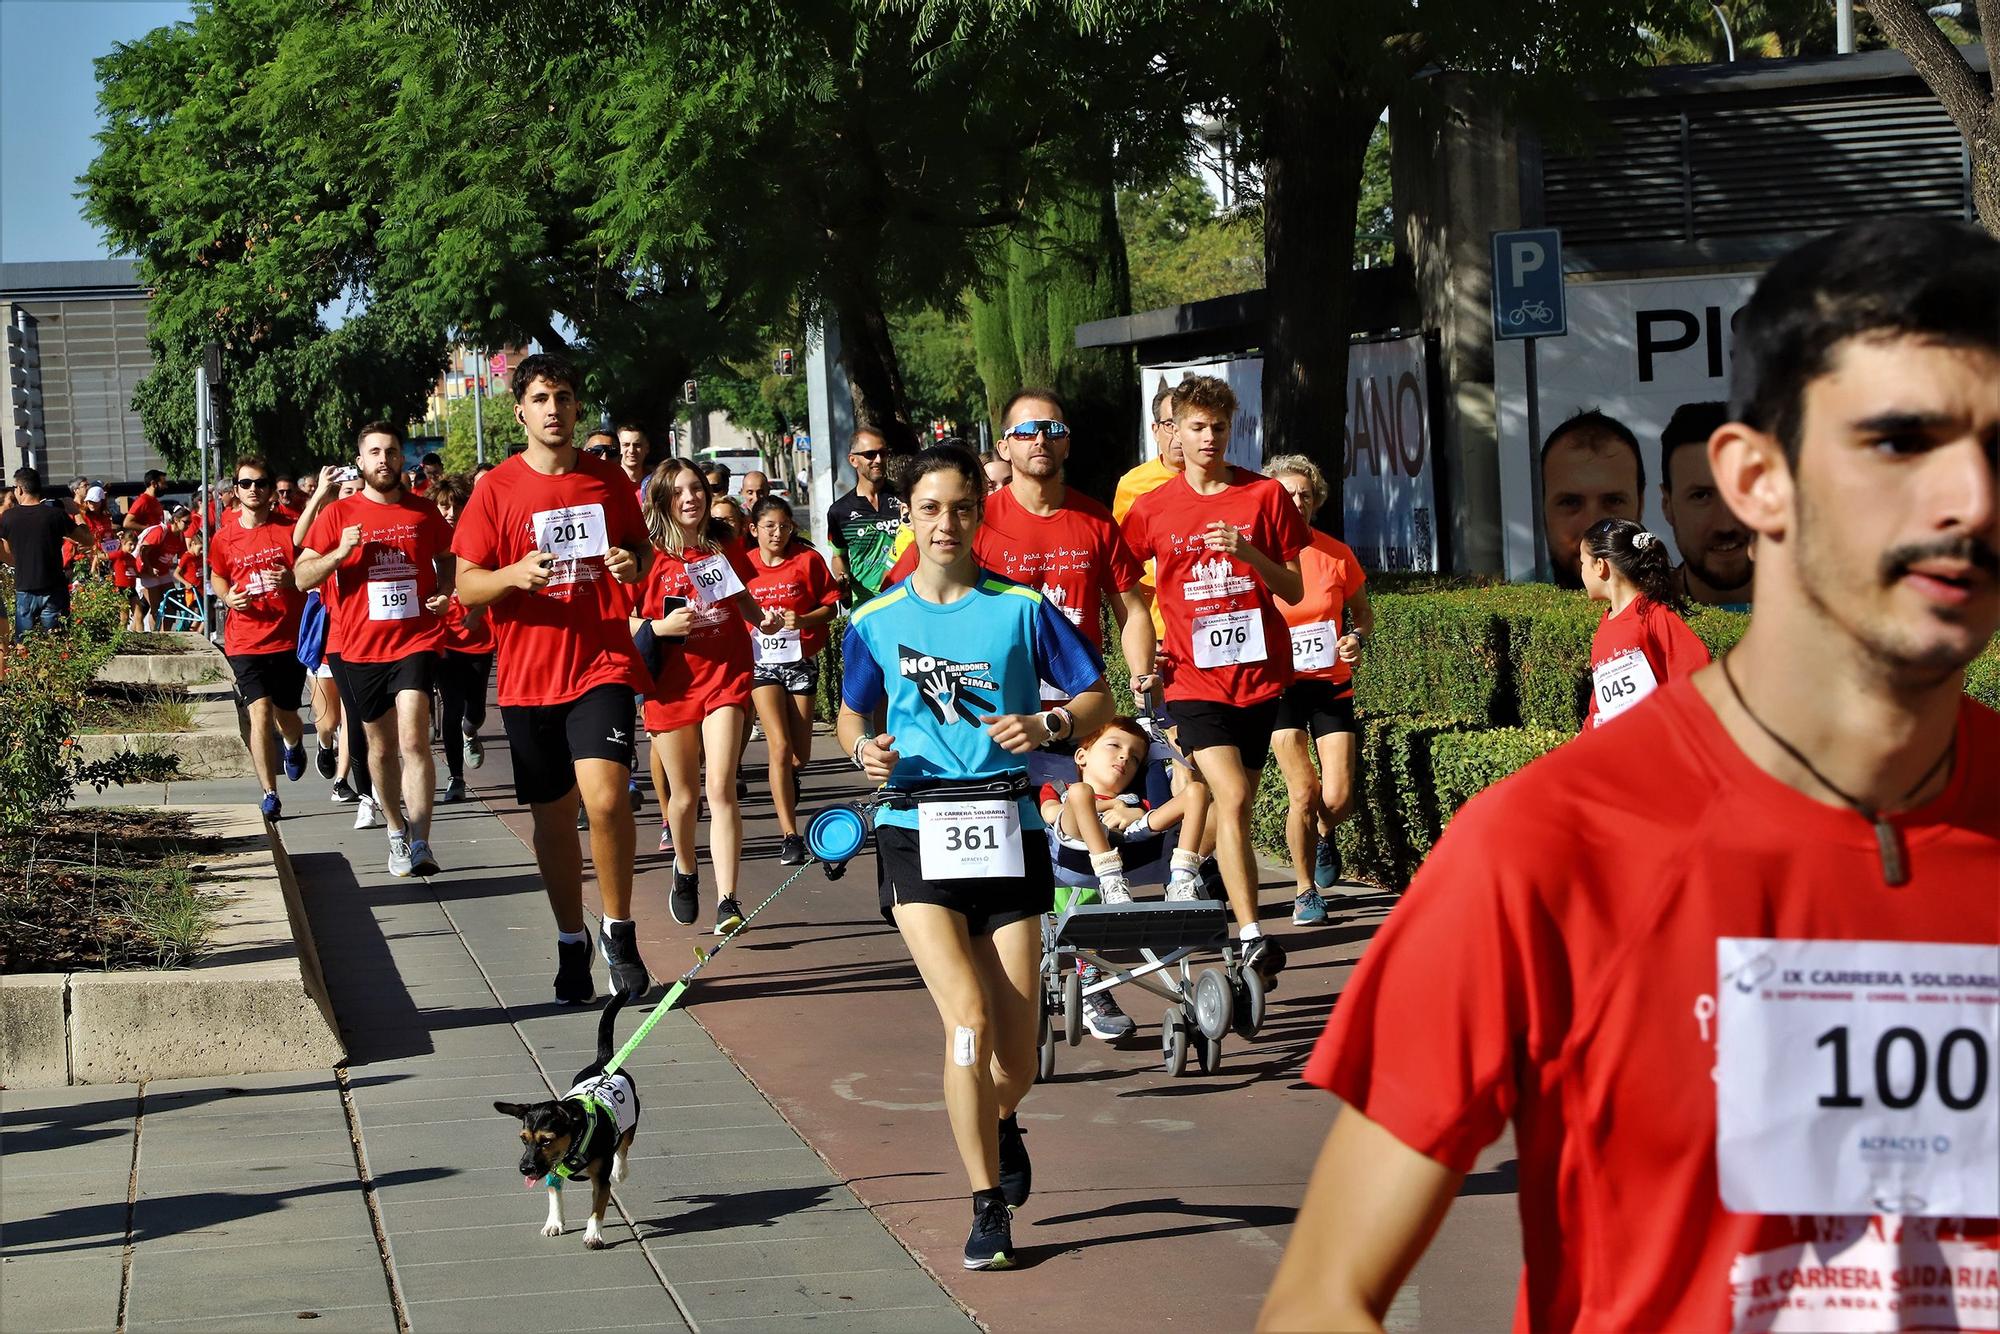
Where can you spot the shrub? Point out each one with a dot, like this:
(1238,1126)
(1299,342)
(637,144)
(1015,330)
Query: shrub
(1463,764)
(1716,628)
(1982,675)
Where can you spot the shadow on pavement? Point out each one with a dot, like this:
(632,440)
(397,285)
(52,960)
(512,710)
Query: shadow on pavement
(746,1208)
(1211,1218)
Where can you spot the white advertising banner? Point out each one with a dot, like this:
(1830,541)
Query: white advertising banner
(1389,495)
(1636,350)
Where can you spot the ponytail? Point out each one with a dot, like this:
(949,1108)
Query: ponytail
(1639,556)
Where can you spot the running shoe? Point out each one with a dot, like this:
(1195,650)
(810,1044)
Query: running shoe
(666,838)
(1114,889)
(1308,909)
(295,762)
(367,813)
(271,806)
(1183,886)
(1326,864)
(573,972)
(399,855)
(1104,1019)
(327,762)
(620,943)
(475,749)
(1017,1174)
(756,731)
(342,793)
(728,916)
(791,851)
(422,860)
(742,788)
(455,789)
(1267,956)
(991,1245)
(686,897)
(582,816)
(1210,880)
(634,795)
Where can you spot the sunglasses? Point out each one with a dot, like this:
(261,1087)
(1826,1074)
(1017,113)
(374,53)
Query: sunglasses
(1028,430)
(251,483)
(1164,421)
(868,453)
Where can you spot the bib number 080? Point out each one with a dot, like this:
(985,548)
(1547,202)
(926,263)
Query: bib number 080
(1960,1079)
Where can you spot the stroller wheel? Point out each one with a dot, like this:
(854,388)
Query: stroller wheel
(1249,1003)
(1174,1043)
(1213,1005)
(1045,1062)
(1208,1051)
(1073,1007)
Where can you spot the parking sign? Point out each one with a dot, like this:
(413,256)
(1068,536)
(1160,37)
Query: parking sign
(1528,284)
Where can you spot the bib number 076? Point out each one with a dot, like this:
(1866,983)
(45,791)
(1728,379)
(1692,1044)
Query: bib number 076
(1959,1073)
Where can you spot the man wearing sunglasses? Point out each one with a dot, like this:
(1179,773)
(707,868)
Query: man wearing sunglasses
(861,525)
(250,573)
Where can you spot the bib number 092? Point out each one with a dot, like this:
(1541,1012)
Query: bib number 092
(1960,1080)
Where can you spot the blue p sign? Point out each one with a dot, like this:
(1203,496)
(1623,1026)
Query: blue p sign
(1527,284)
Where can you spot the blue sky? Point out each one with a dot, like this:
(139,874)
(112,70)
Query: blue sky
(48,113)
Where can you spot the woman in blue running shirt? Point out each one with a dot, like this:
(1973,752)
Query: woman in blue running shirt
(958,655)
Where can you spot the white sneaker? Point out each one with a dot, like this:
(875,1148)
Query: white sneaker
(1183,887)
(1113,889)
(399,854)
(475,750)
(367,813)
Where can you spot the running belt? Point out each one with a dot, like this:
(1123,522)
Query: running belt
(1012,783)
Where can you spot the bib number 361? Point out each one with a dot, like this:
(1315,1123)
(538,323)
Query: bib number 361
(1858,1077)
(959,840)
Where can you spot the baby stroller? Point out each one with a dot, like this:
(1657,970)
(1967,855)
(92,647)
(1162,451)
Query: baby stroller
(1201,1007)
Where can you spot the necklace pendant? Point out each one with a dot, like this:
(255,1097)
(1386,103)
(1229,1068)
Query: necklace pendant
(1894,872)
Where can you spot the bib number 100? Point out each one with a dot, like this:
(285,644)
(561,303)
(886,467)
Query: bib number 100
(1959,1073)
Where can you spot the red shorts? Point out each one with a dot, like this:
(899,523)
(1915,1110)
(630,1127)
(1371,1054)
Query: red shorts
(710,685)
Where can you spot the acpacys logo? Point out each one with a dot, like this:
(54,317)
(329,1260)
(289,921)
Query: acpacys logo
(948,688)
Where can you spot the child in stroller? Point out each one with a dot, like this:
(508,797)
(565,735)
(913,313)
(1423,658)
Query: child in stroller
(1102,828)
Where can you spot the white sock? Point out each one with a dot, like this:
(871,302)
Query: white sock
(1185,860)
(1107,864)
(1250,932)
(573,937)
(610,922)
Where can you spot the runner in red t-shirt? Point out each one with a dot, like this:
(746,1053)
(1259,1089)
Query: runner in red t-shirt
(250,573)
(792,579)
(388,557)
(549,539)
(348,769)
(1225,545)
(1642,642)
(145,510)
(160,549)
(697,594)
(1732,966)
(1316,713)
(465,663)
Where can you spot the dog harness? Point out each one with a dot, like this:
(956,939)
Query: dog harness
(610,1107)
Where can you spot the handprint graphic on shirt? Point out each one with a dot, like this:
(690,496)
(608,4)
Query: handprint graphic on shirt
(945,685)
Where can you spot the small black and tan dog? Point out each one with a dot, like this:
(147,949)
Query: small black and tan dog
(586,1132)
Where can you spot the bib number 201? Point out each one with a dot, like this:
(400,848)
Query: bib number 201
(1903,1069)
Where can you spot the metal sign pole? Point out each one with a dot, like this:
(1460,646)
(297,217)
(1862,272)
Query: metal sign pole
(478,407)
(204,431)
(1531,387)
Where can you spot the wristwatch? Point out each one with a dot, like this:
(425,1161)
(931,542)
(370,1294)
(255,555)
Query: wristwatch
(1056,723)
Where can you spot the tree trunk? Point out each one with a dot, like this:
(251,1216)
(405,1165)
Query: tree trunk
(1315,141)
(874,378)
(1966,98)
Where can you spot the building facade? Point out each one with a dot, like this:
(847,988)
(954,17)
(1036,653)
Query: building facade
(83,325)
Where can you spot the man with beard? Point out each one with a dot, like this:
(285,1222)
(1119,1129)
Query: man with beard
(389,556)
(1710,962)
(1715,548)
(1591,470)
(250,572)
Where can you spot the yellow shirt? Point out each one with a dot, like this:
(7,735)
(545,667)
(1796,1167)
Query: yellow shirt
(1148,476)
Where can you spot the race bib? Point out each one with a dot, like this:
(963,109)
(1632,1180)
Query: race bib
(969,839)
(1229,638)
(780,646)
(1857,1077)
(1621,683)
(1315,647)
(714,579)
(574,532)
(393,600)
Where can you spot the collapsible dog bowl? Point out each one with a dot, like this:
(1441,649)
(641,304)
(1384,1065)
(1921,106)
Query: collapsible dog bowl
(836,834)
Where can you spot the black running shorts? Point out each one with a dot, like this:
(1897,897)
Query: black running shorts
(548,740)
(1321,708)
(278,677)
(1202,723)
(985,904)
(370,688)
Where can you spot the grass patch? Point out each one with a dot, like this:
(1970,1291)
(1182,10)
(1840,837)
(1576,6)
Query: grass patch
(105,888)
(154,644)
(111,708)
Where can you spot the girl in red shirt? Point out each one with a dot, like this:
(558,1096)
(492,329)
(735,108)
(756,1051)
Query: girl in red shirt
(465,664)
(1642,643)
(792,580)
(696,594)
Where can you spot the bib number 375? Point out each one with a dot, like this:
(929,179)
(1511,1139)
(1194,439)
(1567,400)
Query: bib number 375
(959,840)
(1858,1077)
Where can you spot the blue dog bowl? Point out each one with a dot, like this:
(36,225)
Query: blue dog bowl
(836,834)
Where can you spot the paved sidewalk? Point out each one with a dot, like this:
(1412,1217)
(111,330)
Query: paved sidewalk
(247,1203)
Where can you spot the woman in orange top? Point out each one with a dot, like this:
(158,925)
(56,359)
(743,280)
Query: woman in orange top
(1316,716)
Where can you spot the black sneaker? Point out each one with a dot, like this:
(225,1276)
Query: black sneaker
(573,985)
(327,762)
(582,816)
(1267,956)
(728,916)
(1017,1174)
(791,851)
(620,943)
(1103,1017)
(742,788)
(633,796)
(342,793)
(991,1245)
(686,898)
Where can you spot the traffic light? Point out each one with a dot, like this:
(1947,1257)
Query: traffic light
(785,362)
(688,388)
(24,375)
